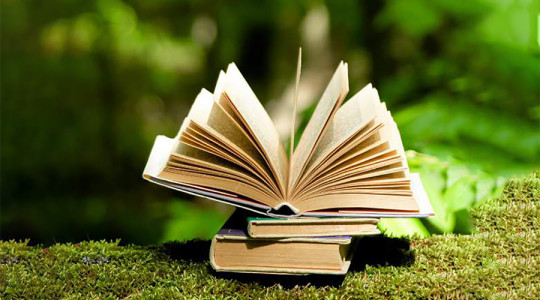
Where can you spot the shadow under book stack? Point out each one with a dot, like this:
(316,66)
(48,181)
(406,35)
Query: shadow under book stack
(251,244)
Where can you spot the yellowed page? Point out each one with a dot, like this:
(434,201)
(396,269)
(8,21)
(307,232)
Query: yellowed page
(295,103)
(371,150)
(367,143)
(220,84)
(387,158)
(365,203)
(369,201)
(366,135)
(259,124)
(349,119)
(330,101)
(401,191)
(216,125)
(206,112)
(221,99)
(220,183)
(327,174)
(178,168)
(199,138)
(396,167)
(208,144)
(391,165)
(346,148)
(185,155)
(345,130)
(219,120)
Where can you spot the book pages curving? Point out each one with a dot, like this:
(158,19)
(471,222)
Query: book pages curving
(349,160)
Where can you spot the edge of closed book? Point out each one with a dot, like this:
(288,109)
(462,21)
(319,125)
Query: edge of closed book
(283,271)
(368,225)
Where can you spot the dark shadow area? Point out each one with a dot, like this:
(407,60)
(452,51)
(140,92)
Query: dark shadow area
(380,250)
(370,250)
(195,250)
(287,281)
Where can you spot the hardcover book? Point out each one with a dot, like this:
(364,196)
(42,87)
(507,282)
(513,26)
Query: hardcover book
(349,161)
(233,251)
(310,227)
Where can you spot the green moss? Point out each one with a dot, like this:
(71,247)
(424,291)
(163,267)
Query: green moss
(500,260)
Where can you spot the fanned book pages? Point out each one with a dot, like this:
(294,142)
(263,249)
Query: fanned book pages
(349,161)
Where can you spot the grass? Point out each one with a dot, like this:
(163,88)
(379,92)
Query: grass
(500,260)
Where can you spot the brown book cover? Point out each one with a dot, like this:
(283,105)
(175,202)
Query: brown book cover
(233,251)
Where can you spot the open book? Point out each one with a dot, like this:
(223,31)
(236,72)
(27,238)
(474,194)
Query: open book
(349,160)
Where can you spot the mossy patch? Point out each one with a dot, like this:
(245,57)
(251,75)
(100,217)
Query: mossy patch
(500,260)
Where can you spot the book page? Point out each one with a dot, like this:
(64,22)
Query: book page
(254,117)
(350,119)
(295,103)
(397,167)
(360,139)
(346,179)
(186,155)
(360,201)
(201,142)
(214,124)
(343,142)
(371,151)
(330,101)
(220,183)
(221,99)
(352,166)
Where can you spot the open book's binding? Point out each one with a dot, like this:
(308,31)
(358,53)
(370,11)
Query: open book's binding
(239,235)
(163,147)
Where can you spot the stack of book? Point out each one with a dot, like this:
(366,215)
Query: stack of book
(349,163)
(251,244)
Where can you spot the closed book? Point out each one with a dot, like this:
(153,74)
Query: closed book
(232,250)
(310,227)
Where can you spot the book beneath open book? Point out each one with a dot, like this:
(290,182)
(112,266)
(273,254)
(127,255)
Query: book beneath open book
(249,244)
(233,251)
(310,227)
(349,160)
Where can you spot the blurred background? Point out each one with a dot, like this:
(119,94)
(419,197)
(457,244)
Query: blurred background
(87,85)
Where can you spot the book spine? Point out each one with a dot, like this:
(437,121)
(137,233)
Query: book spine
(213,256)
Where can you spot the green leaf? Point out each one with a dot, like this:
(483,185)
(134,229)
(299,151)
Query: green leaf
(186,224)
(397,227)
(464,222)
(460,195)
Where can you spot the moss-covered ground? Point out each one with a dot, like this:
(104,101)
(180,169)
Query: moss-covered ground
(500,260)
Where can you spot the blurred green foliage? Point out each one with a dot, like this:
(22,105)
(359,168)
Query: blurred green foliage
(452,189)
(87,85)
